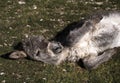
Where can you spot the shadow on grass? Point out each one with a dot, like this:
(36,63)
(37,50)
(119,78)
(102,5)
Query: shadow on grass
(6,56)
(18,46)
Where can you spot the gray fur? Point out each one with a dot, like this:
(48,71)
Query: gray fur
(95,36)
(93,62)
(75,35)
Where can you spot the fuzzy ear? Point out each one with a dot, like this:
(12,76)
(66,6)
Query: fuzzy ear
(88,26)
(75,35)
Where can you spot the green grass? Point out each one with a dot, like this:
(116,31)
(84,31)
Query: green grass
(47,17)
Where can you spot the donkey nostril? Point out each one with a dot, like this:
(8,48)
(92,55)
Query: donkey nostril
(38,53)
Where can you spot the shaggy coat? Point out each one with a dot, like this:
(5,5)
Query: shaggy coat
(94,41)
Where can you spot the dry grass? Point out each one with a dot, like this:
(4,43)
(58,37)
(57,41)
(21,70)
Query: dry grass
(19,18)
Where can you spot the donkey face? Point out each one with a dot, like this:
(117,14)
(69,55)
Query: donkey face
(38,48)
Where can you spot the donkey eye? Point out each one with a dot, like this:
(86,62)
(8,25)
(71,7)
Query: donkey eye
(56,47)
(57,50)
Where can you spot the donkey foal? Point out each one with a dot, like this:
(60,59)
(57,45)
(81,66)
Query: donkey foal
(95,42)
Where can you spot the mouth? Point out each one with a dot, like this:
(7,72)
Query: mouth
(17,55)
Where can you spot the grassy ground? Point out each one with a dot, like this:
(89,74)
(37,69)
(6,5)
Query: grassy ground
(19,18)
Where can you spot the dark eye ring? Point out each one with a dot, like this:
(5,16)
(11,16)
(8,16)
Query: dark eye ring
(57,50)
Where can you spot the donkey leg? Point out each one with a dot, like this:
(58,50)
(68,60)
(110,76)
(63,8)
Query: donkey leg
(94,61)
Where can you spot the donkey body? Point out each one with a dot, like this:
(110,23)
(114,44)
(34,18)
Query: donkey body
(95,41)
